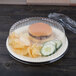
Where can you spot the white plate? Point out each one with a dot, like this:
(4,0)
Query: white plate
(54,57)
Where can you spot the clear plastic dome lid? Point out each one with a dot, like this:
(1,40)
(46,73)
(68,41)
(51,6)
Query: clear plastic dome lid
(29,21)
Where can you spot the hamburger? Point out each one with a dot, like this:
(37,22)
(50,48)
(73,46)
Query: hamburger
(40,31)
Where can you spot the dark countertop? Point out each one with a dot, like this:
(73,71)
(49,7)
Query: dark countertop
(9,14)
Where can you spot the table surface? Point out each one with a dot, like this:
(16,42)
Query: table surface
(9,14)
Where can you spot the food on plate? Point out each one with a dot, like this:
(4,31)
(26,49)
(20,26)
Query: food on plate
(16,41)
(50,47)
(20,47)
(40,31)
(58,44)
(23,40)
(34,51)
